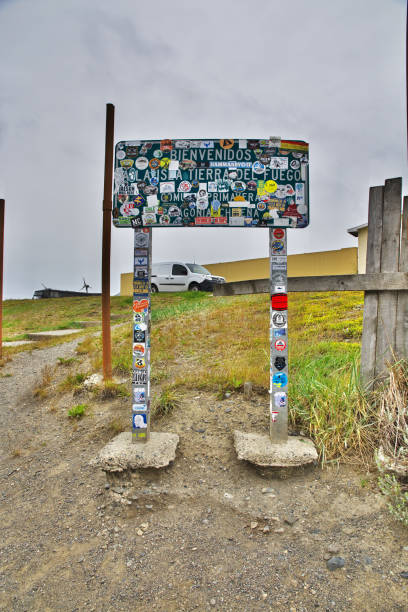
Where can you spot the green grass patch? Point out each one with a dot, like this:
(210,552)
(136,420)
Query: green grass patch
(77,412)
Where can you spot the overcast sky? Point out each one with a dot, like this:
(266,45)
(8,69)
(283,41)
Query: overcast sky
(330,73)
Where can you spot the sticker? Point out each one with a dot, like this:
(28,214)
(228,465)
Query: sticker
(270,186)
(227,143)
(279,263)
(141,163)
(139,421)
(127,163)
(139,317)
(279,301)
(280,289)
(280,379)
(139,378)
(157,153)
(280,345)
(138,434)
(258,168)
(182,144)
(280,363)
(139,335)
(277,247)
(167,187)
(279,163)
(120,154)
(154,163)
(274,416)
(299,193)
(140,261)
(295,164)
(279,319)
(278,333)
(278,233)
(149,219)
(140,305)
(166,145)
(139,407)
(141,285)
(139,349)
(164,163)
(280,399)
(139,363)
(184,186)
(141,239)
(139,395)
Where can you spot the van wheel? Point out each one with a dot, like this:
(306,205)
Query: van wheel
(193,287)
(154,289)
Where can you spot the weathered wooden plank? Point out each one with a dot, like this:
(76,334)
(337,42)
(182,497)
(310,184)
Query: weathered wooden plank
(374,240)
(387,300)
(397,281)
(401,332)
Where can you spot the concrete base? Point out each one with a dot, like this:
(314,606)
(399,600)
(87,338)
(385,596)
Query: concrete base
(17,342)
(258,449)
(121,454)
(55,333)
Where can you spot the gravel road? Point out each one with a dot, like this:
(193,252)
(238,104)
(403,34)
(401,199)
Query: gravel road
(208,533)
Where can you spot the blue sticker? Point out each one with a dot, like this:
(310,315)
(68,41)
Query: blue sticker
(280,379)
(139,421)
(139,395)
(139,407)
(279,332)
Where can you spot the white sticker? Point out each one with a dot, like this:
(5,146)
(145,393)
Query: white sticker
(279,163)
(174,164)
(167,187)
(152,200)
(299,193)
(236,221)
(242,143)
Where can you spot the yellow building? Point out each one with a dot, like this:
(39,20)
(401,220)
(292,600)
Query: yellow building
(322,263)
(361,232)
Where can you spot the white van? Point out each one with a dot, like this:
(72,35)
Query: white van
(180,276)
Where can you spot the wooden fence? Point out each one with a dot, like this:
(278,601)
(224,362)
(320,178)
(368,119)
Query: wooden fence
(385,321)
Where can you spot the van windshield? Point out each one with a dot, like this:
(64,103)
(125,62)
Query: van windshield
(197,269)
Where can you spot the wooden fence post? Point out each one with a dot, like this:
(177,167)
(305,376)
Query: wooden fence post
(374,240)
(387,300)
(401,340)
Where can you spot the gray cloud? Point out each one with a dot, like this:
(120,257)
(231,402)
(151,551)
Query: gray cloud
(330,73)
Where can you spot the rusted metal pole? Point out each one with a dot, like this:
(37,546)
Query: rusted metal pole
(106,243)
(2,206)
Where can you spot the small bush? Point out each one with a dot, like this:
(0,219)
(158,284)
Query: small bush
(73,382)
(42,389)
(165,403)
(111,389)
(397,497)
(66,362)
(77,412)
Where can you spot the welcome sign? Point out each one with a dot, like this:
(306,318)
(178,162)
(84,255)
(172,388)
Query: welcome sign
(208,183)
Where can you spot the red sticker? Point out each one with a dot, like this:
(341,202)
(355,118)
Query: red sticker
(140,305)
(278,233)
(280,345)
(280,301)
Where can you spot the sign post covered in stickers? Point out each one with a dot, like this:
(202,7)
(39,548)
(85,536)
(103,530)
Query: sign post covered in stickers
(208,183)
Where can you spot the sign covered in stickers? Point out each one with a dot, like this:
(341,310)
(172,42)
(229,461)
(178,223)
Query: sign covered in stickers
(222,183)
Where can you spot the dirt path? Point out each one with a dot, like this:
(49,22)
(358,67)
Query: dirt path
(69,543)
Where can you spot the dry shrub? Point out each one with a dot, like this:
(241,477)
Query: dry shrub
(393,417)
(43,388)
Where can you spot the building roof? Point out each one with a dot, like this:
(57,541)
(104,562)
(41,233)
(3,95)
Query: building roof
(354,230)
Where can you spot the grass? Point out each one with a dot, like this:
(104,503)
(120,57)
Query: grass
(24,316)
(77,412)
(200,342)
(167,401)
(43,388)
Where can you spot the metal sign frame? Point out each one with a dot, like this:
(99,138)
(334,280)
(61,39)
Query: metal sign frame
(132,209)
